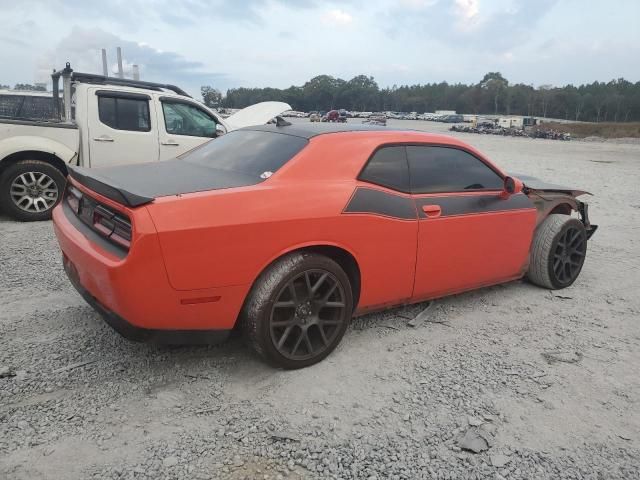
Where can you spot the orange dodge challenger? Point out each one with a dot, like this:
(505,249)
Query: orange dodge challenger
(289,231)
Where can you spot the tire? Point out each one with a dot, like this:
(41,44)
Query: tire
(558,252)
(298,310)
(30,189)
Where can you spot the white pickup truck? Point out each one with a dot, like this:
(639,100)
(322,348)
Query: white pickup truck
(105,121)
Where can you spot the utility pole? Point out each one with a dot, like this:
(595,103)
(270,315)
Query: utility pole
(120,72)
(105,69)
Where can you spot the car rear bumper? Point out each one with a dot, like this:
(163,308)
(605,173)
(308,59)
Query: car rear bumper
(133,292)
(138,334)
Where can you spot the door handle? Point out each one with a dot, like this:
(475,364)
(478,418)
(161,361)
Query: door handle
(432,211)
(170,143)
(103,138)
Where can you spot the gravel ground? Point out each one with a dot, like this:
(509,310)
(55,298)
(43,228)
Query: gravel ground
(542,384)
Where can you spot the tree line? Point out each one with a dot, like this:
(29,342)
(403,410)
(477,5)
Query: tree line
(614,101)
(25,87)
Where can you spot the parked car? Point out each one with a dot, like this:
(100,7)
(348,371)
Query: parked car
(453,118)
(315,117)
(334,116)
(288,231)
(379,119)
(110,121)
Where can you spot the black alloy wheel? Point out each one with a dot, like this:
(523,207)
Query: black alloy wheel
(558,252)
(298,310)
(569,255)
(307,314)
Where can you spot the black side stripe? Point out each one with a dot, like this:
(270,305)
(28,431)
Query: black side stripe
(377,202)
(470,204)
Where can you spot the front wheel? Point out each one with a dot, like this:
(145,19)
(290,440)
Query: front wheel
(29,189)
(298,310)
(558,252)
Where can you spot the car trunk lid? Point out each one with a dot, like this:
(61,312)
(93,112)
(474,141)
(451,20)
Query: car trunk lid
(140,184)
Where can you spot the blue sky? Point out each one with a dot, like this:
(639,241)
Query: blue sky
(257,43)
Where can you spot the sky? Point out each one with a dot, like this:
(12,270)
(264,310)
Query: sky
(279,43)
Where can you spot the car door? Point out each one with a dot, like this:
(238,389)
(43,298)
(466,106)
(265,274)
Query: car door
(122,128)
(184,125)
(470,232)
(387,228)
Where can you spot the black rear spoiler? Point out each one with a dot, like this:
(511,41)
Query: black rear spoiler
(93,181)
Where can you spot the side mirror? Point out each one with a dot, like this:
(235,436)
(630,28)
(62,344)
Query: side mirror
(220,130)
(512,186)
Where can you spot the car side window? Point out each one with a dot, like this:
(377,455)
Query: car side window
(124,113)
(446,169)
(184,119)
(388,167)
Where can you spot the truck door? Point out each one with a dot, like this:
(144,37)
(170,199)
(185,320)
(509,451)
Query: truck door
(183,125)
(122,128)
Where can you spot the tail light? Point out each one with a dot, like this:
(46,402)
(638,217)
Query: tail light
(73,198)
(112,226)
(109,223)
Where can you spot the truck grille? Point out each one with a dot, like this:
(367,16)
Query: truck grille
(110,224)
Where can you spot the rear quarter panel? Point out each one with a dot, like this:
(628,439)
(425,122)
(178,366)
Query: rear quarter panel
(228,237)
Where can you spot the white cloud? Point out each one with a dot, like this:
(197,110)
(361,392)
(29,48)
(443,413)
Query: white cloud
(467,12)
(82,47)
(418,4)
(260,42)
(337,17)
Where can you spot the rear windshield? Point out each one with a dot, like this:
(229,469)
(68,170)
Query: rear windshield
(254,153)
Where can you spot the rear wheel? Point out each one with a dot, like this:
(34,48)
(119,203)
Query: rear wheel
(558,252)
(298,310)
(29,189)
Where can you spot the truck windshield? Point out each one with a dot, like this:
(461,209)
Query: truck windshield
(254,153)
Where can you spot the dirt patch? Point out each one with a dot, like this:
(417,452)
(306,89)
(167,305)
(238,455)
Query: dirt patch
(596,130)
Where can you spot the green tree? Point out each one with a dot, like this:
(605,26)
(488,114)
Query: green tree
(495,84)
(29,87)
(361,93)
(321,92)
(211,97)
(617,100)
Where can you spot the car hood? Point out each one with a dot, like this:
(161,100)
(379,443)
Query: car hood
(534,183)
(257,114)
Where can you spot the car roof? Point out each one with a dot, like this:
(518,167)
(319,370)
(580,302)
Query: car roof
(310,130)
(128,89)
(385,135)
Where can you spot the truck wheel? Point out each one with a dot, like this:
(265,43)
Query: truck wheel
(29,189)
(558,251)
(298,310)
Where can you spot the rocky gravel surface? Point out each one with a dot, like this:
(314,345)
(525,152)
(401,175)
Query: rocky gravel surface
(511,381)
